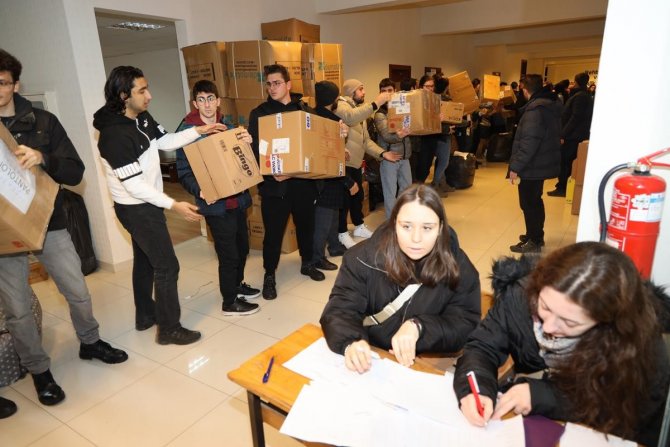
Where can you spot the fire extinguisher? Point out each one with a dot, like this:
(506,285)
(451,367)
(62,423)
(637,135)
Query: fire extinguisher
(635,213)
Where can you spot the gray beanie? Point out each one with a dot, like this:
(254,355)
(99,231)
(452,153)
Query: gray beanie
(350,86)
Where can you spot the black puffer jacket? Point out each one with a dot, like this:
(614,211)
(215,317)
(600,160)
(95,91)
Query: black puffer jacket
(271,187)
(576,117)
(363,288)
(507,330)
(41,130)
(536,151)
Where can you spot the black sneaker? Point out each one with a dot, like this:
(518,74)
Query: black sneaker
(244,290)
(178,336)
(325,264)
(524,238)
(103,351)
(240,307)
(526,247)
(557,193)
(269,286)
(337,251)
(312,272)
(48,391)
(7,408)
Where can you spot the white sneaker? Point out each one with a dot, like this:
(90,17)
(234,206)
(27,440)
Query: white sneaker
(346,240)
(362,231)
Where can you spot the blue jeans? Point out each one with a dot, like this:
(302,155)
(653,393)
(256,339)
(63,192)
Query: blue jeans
(155,265)
(442,152)
(15,298)
(396,177)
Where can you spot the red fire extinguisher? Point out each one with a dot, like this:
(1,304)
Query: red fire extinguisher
(635,214)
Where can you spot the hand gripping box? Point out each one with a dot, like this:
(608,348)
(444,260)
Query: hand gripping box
(300,144)
(26,201)
(223,164)
(418,110)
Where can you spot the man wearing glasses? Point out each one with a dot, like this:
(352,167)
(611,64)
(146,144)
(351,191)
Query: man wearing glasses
(282,195)
(226,217)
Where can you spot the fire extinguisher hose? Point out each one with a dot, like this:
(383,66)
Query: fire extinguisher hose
(601,198)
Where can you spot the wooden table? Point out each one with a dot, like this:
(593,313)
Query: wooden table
(270,402)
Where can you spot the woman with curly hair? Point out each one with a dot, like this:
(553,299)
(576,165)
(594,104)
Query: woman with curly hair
(583,330)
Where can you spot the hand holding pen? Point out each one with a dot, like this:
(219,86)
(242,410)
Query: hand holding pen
(476,407)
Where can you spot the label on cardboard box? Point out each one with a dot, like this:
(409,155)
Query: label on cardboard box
(308,121)
(281,145)
(263,147)
(306,164)
(278,121)
(17,185)
(276,164)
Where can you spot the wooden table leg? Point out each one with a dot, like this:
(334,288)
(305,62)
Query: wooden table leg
(256,417)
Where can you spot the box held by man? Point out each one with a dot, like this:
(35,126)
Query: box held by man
(418,111)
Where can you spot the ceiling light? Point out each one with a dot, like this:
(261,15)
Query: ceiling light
(136,26)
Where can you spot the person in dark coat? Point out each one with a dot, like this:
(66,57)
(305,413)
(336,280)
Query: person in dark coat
(330,192)
(583,329)
(415,246)
(535,158)
(575,127)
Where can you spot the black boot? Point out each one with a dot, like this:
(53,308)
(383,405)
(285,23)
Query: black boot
(269,286)
(48,391)
(7,408)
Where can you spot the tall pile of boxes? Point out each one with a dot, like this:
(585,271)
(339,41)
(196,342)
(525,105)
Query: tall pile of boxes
(237,70)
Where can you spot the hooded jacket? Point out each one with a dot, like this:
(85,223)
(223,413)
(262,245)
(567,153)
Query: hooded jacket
(129,151)
(390,141)
(576,117)
(536,151)
(363,288)
(41,130)
(271,187)
(190,183)
(508,330)
(358,140)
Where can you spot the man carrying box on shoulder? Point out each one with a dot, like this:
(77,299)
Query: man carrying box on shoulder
(282,195)
(225,217)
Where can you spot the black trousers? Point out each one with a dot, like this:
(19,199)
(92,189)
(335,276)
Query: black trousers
(231,242)
(352,204)
(155,264)
(568,155)
(530,200)
(426,156)
(298,202)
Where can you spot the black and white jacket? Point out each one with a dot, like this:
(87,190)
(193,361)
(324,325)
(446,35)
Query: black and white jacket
(129,151)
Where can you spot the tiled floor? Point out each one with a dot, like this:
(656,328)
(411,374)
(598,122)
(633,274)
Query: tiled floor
(180,396)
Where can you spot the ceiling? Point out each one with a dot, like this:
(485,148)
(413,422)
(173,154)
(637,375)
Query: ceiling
(120,42)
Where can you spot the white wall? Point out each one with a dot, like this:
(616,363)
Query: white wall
(636,45)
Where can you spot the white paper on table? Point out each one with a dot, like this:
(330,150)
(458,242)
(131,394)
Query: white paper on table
(578,436)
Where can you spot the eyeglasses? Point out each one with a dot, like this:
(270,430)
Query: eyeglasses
(274,84)
(4,83)
(203,100)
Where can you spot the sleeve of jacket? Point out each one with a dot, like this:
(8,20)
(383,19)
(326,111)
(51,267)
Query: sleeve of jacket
(579,113)
(342,318)
(547,400)
(529,141)
(448,331)
(253,131)
(353,115)
(381,123)
(486,350)
(62,162)
(172,141)
(184,171)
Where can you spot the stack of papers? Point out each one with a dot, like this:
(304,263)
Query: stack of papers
(390,405)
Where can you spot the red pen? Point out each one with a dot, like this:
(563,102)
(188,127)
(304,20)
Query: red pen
(474,387)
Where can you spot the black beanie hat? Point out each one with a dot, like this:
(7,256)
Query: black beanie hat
(326,93)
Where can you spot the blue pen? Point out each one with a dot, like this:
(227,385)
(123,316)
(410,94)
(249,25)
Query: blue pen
(266,376)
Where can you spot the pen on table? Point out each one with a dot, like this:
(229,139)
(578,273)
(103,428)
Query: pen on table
(474,387)
(266,376)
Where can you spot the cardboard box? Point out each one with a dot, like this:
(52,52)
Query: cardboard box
(579,165)
(246,60)
(26,201)
(452,112)
(243,108)
(37,272)
(223,164)
(300,144)
(507,95)
(577,199)
(207,61)
(257,233)
(418,110)
(229,111)
(490,91)
(461,90)
(321,62)
(291,30)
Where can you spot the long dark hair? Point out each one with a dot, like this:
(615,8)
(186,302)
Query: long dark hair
(118,87)
(607,376)
(439,265)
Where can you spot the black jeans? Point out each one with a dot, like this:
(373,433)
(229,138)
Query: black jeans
(325,231)
(426,155)
(352,204)
(568,155)
(231,242)
(530,200)
(155,264)
(298,202)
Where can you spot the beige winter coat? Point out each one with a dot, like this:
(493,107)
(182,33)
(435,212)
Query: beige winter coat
(358,140)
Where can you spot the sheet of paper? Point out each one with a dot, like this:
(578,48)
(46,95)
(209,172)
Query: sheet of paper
(579,436)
